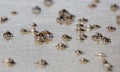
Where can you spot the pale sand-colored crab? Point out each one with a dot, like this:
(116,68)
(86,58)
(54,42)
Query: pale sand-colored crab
(60,20)
(61,46)
(7,35)
(114,7)
(81,37)
(92,5)
(48,2)
(3,19)
(36,10)
(111,28)
(80,30)
(89,27)
(42,63)
(65,17)
(96,1)
(83,20)
(43,37)
(107,65)
(66,37)
(24,31)
(96,26)
(14,13)
(118,19)
(80,25)
(84,61)
(106,40)
(97,37)
(78,52)
(10,62)
(101,55)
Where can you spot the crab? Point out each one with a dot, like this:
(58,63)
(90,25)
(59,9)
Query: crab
(101,55)
(60,20)
(48,2)
(80,30)
(36,10)
(7,35)
(34,25)
(93,5)
(14,12)
(61,46)
(78,52)
(96,26)
(110,28)
(83,20)
(84,61)
(89,27)
(65,17)
(42,63)
(63,12)
(10,62)
(24,31)
(80,25)
(106,40)
(66,37)
(97,37)
(114,7)
(3,19)
(96,1)
(82,37)
(118,19)
(107,65)
(43,37)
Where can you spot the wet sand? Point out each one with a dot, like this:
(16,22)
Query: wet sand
(24,51)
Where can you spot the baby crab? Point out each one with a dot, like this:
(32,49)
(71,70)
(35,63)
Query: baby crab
(36,10)
(61,46)
(96,1)
(118,19)
(3,19)
(89,27)
(80,30)
(24,31)
(7,35)
(106,40)
(63,12)
(34,25)
(48,2)
(43,37)
(107,65)
(83,20)
(47,34)
(66,37)
(114,7)
(110,28)
(14,12)
(40,38)
(100,55)
(83,61)
(93,5)
(42,63)
(60,20)
(69,19)
(97,37)
(82,37)
(80,25)
(78,52)
(10,62)
(65,17)
(96,26)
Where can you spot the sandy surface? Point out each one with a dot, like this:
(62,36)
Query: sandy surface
(23,49)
